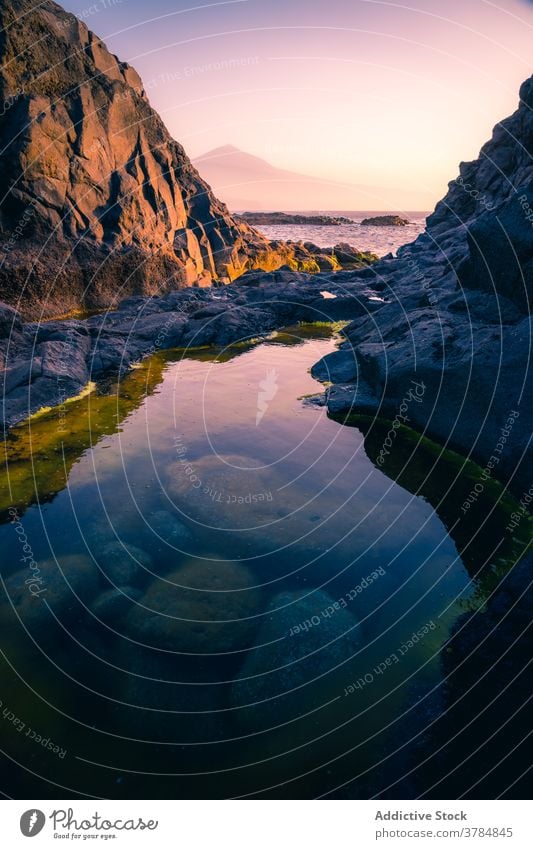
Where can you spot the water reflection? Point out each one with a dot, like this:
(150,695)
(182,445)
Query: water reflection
(231,606)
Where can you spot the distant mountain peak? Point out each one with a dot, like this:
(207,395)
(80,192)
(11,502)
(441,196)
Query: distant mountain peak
(246,181)
(112,195)
(223,150)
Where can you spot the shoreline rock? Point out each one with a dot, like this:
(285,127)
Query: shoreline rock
(99,201)
(385,221)
(46,364)
(457,316)
(450,312)
(276,218)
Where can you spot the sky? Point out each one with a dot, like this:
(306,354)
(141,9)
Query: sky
(376,92)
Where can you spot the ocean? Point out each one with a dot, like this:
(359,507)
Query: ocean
(379,240)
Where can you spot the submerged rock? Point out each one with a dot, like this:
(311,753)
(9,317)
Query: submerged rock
(298,655)
(487,680)
(65,587)
(112,605)
(159,701)
(227,491)
(206,607)
(124,564)
(169,528)
(347,398)
(337,367)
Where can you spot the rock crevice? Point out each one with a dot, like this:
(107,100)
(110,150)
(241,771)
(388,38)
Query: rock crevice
(93,189)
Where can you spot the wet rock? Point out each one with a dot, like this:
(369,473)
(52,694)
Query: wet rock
(169,528)
(351,398)
(298,656)
(160,701)
(65,586)
(385,221)
(112,605)
(314,400)
(124,564)
(119,205)
(238,506)
(208,607)
(487,680)
(337,367)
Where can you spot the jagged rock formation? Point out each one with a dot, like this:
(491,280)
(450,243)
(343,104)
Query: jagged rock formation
(44,363)
(97,200)
(450,312)
(456,313)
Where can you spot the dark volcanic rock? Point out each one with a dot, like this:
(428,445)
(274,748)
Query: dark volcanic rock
(274,218)
(452,316)
(501,250)
(456,317)
(10,320)
(99,200)
(296,662)
(67,584)
(112,605)
(385,221)
(338,367)
(487,681)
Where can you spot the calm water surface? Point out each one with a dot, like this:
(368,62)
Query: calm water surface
(230,598)
(379,240)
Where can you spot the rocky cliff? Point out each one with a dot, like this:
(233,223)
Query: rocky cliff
(456,315)
(96,198)
(95,182)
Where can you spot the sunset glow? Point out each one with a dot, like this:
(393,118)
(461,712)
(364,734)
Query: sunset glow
(387,95)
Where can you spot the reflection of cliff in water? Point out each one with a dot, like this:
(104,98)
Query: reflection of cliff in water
(446,480)
(40,452)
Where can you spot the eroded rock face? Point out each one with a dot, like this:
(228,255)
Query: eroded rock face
(456,315)
(99,200)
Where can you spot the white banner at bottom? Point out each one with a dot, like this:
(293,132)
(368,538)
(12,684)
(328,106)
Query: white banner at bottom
(268,824)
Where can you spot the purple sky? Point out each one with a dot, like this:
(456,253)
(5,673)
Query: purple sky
(375,92)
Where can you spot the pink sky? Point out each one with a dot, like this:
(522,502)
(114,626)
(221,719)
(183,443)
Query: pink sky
(386,94)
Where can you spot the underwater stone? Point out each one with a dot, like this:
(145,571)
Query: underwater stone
(123,564)
(112,605)
(205,606)
(291,668)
